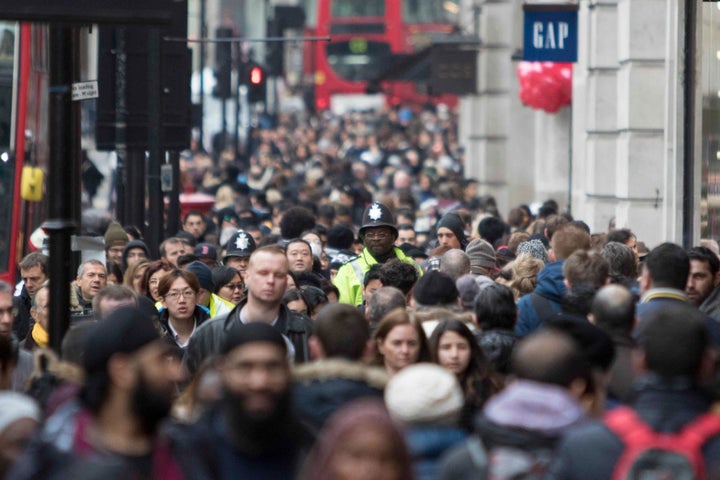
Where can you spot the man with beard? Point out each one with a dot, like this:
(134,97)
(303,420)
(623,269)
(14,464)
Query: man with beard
(112,427)
(378,234)
(251,432)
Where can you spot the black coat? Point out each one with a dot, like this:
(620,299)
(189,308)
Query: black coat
(207,340)
(324,386)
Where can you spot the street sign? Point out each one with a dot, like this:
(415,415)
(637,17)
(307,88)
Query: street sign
(84,90)
(453,70)
(550,33)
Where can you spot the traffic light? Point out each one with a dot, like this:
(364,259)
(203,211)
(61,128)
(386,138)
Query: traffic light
(256,83)
(223,64)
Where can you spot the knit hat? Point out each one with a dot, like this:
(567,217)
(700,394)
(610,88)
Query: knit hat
(535,248)
(125,330)
(15,406)
(115,236)
(203,274)
(435,288)
(135,244)
(243,333)
(340,237)
(454,223)
(424,393)
(482,256)
(241,244)
(206,250)
(377,215)
(468,288)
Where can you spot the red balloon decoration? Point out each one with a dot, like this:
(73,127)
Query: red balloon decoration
(545,85)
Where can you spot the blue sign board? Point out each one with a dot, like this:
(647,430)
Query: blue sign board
(550,33)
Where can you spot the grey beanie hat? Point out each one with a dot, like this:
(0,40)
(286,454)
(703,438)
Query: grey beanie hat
(535,248)
(482,256)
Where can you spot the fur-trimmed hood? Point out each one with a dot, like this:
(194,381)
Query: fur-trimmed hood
(322,387)
(338,368)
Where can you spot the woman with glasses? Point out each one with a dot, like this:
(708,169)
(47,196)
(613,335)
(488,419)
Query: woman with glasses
(181,315)
(151,280)
(229,284)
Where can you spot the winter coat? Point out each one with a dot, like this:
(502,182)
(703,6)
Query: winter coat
(207,339)
(711,305)
(209,446)
(591,451)
(427,444)
(657,299)
(349,279)
(525,415)
(324,386)
(200,315)
(23,320)
(550,286)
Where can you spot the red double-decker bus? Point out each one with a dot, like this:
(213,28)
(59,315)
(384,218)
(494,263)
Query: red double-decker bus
(23,134)
(368,37)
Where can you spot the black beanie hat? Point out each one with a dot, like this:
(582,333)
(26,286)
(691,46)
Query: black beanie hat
(454,223)
(125,330)
(251,333)
(435,288)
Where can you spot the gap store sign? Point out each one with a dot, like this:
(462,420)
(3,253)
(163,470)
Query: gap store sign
(550,33)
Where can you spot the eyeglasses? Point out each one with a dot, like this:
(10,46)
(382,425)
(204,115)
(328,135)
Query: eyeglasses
(187,293)
(234,286)
(377,235)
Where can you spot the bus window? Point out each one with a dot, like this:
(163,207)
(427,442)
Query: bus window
(358,8)
(7,161)
(358,60)
(423,11)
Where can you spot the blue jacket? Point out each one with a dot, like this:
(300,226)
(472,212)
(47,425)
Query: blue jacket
(550,285)
(427,444)
(591,451)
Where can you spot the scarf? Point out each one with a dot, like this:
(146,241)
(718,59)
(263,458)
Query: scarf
(40,335)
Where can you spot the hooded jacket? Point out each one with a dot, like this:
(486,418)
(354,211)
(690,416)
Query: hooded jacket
(322,387)
(526,415)
(551,287)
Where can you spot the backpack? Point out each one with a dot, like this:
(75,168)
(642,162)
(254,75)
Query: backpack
(507,462)
(652,455)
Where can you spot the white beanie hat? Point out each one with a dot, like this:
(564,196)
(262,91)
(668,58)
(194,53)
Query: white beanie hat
(14,406)
(424,393)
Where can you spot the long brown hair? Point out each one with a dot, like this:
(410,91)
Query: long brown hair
(397,317)
(479,380)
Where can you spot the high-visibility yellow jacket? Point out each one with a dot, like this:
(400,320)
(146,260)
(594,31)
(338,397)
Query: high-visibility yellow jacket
(349,279)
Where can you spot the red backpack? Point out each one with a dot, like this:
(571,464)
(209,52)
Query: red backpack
(652,455)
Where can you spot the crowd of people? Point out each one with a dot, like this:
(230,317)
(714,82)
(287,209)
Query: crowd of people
(353,309)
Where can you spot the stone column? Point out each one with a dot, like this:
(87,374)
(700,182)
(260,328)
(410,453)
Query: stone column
(626,104)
